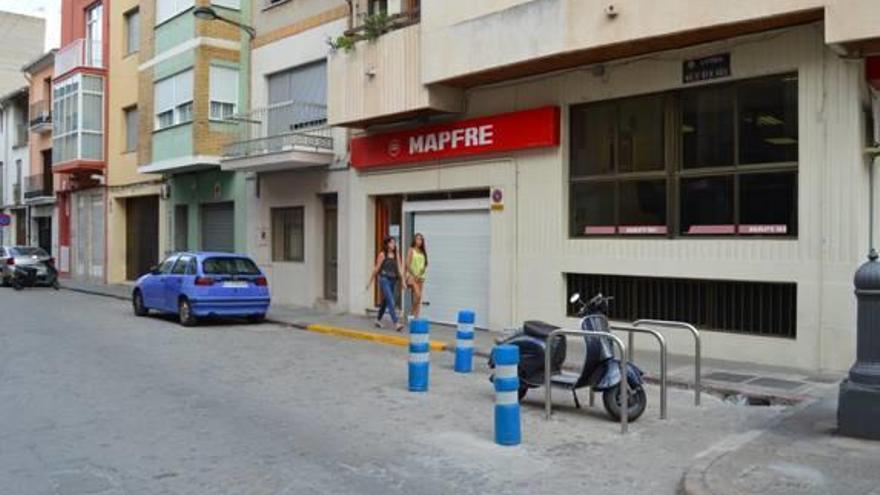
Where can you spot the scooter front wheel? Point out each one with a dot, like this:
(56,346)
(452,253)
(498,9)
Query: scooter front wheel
(638,400)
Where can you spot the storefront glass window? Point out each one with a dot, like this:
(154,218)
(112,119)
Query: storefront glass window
(732,162)
(707,128)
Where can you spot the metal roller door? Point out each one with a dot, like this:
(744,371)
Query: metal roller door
(458,272)
(218,227)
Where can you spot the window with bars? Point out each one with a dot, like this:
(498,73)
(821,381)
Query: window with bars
(742,307)
(714,160)
(288,234)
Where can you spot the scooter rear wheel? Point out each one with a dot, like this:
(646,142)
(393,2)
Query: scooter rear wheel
(637,403)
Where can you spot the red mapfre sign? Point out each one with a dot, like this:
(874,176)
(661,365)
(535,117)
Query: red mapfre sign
(536,128)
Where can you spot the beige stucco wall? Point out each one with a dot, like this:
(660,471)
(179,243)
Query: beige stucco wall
(39,141)
(382,78)
(530,244)
(123,92)
(514,31)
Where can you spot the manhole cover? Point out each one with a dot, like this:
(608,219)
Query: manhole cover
(776,383)
(723,376)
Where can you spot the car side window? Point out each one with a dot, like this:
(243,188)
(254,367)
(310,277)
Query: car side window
(191,267)
(166,265)
(2,252)
(182,265)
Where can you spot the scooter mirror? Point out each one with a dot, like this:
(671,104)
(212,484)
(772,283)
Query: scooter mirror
(574,298)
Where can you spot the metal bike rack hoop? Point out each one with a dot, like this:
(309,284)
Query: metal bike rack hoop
(624,383)
(663,368)
(697,348)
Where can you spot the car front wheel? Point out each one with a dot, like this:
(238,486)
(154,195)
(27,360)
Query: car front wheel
(184,311)
(137,303)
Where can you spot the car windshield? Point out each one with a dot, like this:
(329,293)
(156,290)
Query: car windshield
(229,266)
(27,251)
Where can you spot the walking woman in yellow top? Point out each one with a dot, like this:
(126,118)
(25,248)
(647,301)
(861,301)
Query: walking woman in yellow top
(416,266)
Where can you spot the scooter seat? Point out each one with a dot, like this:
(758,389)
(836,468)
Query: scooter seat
(538,329)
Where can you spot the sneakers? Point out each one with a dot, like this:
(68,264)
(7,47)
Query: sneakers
(377,324)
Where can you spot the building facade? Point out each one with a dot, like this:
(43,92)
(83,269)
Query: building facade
(14,166)
(190,85)
(39,186)
(137,203)
(17,186)
(79,139)
(705,166)
(294,166)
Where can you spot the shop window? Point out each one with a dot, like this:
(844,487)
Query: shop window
(288,234)
(618,167)
(728,166)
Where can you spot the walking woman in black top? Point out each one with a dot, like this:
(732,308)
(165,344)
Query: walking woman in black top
(388,269)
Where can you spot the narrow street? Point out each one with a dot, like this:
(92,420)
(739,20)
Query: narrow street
(94,400)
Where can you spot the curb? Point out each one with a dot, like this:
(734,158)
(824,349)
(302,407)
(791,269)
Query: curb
(349,333)
(95,293)
(380,338)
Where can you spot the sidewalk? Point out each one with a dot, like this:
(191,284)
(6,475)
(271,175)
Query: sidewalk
(800,454)
(739,382)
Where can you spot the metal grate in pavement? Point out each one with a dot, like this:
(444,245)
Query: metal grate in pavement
(724,376)
(776,383)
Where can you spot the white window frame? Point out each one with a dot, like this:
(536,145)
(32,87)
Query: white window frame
(174,8)
(216,87)
(77,100)
(178,102)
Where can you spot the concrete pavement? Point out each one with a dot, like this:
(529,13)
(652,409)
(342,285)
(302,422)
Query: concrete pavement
(97,401)
(94,400)
(737,381)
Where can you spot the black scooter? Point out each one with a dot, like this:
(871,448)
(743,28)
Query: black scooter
(29,275)
(600,371)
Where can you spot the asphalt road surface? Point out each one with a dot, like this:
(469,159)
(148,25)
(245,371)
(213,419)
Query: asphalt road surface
(96,401)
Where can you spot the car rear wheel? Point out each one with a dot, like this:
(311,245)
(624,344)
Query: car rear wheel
(137,303)
(184,311)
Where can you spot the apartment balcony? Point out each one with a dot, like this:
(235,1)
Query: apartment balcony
(80,53)
(39,188)
(380,80)
(285,136)
(78,133)
(40,116)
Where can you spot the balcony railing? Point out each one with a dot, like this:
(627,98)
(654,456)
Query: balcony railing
(281,127)
(372,26)
(38,186)
(40,115)
(79,53)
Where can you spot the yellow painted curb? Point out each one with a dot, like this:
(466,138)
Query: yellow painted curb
(380,338)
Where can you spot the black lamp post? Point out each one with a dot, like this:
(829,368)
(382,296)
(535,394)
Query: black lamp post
(209,14)
(858,406)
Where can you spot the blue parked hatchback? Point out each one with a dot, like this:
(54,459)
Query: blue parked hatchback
(197,285)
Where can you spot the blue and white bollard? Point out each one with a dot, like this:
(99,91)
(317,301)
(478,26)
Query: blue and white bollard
(419,355)
(507,422)
(464,342)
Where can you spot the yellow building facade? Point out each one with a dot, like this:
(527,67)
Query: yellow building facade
(136,210)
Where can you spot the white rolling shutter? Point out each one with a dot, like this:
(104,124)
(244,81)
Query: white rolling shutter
(458,243)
